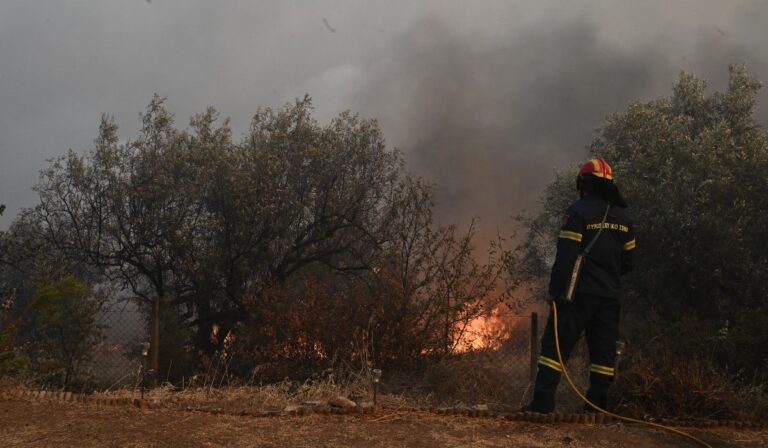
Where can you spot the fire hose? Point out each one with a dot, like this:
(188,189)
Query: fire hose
(598,408)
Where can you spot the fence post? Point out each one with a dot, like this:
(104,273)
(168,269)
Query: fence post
(534,344)
(155,340)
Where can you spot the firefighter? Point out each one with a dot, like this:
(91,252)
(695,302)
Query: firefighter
(594,307)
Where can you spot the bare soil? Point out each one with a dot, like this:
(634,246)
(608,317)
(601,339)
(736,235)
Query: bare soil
(26,423)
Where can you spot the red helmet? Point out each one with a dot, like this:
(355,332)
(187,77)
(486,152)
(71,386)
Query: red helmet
(598,168)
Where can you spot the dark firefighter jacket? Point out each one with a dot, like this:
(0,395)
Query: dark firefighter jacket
(610,257)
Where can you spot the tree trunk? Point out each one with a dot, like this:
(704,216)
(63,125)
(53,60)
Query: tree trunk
(155,340)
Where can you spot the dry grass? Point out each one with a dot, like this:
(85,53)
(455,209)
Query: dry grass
(277,396)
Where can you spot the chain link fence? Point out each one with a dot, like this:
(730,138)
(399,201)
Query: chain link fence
(116,361)
(519,354)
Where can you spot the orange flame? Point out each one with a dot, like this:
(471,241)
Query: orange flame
(486,332)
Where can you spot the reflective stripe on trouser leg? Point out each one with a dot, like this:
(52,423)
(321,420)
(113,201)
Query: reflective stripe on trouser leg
(548,377)
(600,379)
(601,370)
(551,363)
(602,333)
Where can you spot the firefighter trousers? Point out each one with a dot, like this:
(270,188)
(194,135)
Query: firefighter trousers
(596,316)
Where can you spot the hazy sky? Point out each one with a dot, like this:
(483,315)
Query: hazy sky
(486,98)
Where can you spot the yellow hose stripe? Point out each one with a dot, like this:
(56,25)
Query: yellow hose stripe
(629,245)
(575,236)
(549,362)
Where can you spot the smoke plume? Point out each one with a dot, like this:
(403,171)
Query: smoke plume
(489,120)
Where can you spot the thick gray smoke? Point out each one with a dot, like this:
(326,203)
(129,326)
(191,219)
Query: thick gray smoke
(485,98)
(489,123)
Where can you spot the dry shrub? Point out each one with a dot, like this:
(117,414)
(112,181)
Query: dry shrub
(753,399)
(321,319)
(472,378)
(663,384)
(295,332)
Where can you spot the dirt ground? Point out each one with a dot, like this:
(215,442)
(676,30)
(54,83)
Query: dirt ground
(25,423)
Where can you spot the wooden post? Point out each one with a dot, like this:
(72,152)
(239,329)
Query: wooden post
(534,344)
(155,340)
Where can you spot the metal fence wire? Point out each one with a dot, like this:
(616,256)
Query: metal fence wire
(518,354)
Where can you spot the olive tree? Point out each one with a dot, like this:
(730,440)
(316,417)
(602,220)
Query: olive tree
(693,169)
(207,226)
(120,208)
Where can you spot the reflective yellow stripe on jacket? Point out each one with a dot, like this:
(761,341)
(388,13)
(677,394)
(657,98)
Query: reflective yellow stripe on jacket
(568,235)
(629,245)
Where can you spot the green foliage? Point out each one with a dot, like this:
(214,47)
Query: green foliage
(693,169)
(29,263)
(10,360)
(62,328)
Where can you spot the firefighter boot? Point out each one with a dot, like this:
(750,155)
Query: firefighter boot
(598,390)
(543,401)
